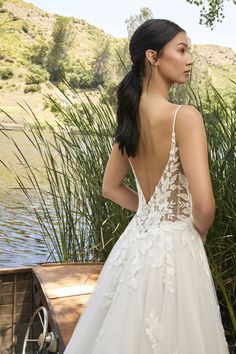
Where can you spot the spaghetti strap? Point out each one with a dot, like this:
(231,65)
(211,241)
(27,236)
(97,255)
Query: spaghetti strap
(173,128)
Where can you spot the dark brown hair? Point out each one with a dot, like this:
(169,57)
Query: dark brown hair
(152,34)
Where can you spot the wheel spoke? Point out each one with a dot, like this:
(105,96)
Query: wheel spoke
(41,319)
(39,342)
(32,340)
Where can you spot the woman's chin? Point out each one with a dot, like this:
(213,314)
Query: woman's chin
(182,80)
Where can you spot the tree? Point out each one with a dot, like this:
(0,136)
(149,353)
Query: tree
(61,41)
(100,64)
(212,13)
(135,21)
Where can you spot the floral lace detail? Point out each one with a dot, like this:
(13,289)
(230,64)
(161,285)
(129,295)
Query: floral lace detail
(159,224)
(168,270)
(153,330)
(163,240)
(171,199)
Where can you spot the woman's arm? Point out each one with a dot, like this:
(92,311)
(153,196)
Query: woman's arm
(193,149)
(113,187)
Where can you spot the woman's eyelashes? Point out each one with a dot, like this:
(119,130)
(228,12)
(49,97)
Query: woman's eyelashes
(183,50)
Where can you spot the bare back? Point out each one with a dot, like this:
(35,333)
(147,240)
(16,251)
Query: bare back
(156,124)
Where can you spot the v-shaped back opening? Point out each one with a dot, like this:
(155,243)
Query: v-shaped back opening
(172,145)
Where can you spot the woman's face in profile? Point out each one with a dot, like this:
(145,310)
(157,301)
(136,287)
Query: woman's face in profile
(176,59)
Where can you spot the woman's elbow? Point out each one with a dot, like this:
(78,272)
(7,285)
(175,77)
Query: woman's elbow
(106,190)
(110,190)
(104,193)
(206,208)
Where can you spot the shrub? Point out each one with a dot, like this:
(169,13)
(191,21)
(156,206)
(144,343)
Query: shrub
(25,28)
(38,54)
(83,78)
(53,104)
(36,76)
(74,81)
(9,60)
(32,88)
(15,18)
(6,74)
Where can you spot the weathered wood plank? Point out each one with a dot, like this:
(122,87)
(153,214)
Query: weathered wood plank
(15,307)
(60,282)
(6,310)
(66,290)
(6,288)
(15,270)
(6,300)
(63,289)
(67,311)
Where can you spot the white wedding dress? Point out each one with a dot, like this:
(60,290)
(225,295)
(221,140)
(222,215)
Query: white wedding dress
(155,293)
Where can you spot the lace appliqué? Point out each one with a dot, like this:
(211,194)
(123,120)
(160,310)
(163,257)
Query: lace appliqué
(165,262)
(171,199)
(153,330)
(154,220)
(159,203)
(184,198)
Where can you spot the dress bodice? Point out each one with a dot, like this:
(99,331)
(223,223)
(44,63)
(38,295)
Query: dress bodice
(171,199)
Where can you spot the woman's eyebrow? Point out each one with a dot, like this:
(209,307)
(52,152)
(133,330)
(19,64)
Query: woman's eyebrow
(183,44)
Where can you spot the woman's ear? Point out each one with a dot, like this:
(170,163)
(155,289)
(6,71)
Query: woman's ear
(151,56)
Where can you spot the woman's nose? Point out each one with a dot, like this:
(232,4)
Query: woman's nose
(190,61)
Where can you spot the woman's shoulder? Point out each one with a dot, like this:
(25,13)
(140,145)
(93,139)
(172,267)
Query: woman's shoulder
(162,112)
(188,114)
(184,109)
(185,114)
(189,123)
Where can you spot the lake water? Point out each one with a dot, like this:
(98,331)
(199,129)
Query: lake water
(21,242)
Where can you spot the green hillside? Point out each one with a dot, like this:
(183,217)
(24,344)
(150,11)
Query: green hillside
(26,29)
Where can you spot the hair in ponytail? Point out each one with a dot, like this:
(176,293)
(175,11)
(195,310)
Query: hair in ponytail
(152,34)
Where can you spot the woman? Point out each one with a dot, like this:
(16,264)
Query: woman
(155,294)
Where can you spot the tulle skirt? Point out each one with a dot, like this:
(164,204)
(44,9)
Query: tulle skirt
(154,295)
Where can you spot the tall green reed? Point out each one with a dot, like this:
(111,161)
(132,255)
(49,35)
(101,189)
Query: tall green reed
(220,123)
(79,225)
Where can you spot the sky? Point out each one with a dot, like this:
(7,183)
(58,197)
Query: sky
(110,16)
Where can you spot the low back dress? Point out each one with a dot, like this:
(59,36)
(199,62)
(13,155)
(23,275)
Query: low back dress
(155,293)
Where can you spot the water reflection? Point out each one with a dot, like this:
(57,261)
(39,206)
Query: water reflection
(21,242)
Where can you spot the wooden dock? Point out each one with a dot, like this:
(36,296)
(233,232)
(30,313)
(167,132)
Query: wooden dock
(63,289)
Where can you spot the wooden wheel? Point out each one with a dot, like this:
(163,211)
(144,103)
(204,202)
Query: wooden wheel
(45,340)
